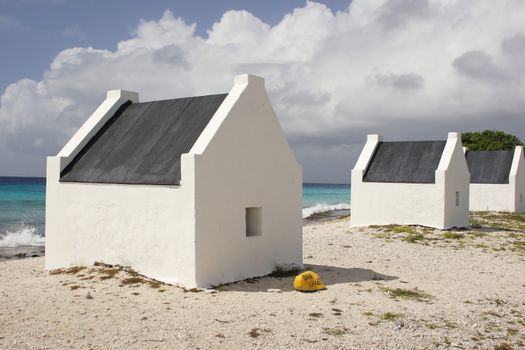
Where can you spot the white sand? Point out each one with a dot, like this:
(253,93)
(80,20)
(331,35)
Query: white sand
(478,301)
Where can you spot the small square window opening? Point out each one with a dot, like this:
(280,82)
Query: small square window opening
(253,222)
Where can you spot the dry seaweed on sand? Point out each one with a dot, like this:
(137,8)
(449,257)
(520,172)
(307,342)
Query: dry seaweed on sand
(68,270)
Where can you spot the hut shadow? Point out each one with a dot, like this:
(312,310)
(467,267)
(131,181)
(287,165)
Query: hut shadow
(488,229)
(330,275)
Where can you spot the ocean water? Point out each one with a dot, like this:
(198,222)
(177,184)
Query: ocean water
(22,211)
(22,207)
(322,198)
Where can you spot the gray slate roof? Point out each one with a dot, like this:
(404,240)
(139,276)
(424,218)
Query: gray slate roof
(143,142)
(489,167)
(405,161)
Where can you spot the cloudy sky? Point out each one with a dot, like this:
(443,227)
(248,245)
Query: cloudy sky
(335,70)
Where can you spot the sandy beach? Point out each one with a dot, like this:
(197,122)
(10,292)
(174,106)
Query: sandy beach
(387,287)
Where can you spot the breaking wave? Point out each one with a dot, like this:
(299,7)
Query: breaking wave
(323,208)
(27,236)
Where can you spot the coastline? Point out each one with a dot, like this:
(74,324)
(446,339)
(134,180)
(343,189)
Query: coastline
(326,216)
(21,252)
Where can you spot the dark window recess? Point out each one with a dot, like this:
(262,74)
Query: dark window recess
(253,222)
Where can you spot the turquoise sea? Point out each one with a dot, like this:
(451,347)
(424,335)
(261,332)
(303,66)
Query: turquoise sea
(22,207)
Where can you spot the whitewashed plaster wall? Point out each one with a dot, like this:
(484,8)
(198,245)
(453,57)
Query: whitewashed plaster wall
(517,175)
(148,227)
(193,234)
(502,197)
(433,205)
(453,175)
(496,197)
(243,160)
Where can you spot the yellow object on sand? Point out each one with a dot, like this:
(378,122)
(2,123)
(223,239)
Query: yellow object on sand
(308,281)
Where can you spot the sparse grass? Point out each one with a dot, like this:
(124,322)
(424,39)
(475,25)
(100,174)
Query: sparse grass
(518,246)
(477,234)
(512,331)
(404,229)
(515,217)
(414,238)
(381,234)
(453,235)
(391,316)
(315,314)
(408,294)
(481,245)
(445,324)
(367,313)
(336,332)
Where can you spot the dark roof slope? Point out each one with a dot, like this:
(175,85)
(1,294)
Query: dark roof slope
(489,167)
(143,142)
(406,161)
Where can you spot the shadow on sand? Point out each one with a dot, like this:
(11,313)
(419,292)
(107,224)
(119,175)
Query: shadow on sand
(330,275)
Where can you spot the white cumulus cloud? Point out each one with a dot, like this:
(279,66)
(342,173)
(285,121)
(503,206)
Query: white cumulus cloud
(408,69)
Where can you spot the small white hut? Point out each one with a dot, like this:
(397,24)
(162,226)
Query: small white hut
(411,183)
(192,191)
(497,180)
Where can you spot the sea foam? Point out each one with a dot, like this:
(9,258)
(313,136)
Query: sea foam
(323,208)
(26,236)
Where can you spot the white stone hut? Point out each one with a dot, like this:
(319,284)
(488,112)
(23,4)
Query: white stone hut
(193,191)
(497,180)
(411,183)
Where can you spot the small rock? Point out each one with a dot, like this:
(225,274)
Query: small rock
(210,291)
(400,324)
(89,296)
(274,290)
